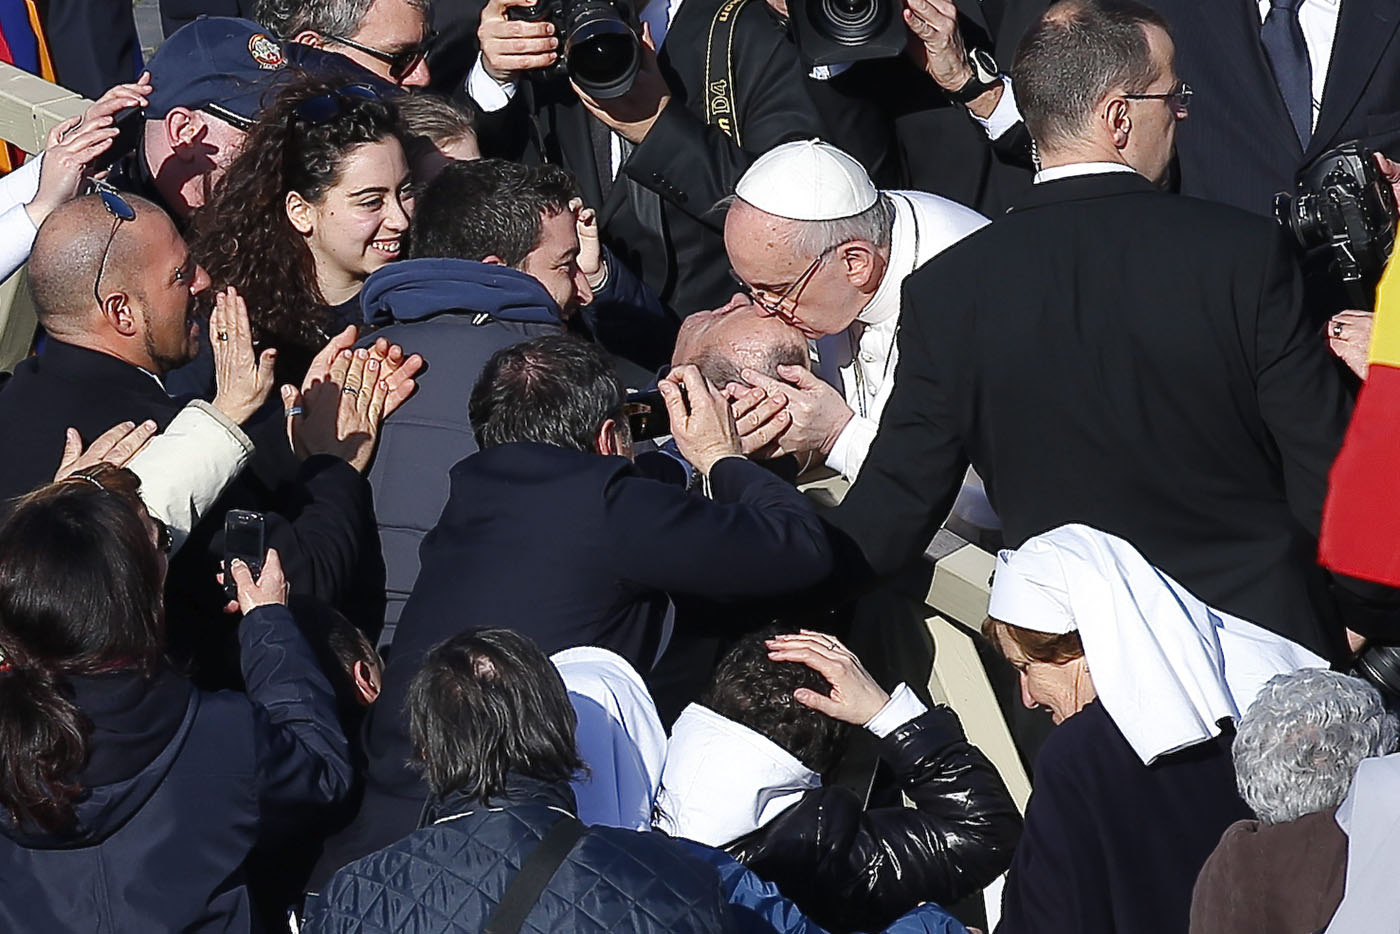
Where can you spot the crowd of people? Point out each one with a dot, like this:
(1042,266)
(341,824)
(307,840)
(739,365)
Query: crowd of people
(404,525)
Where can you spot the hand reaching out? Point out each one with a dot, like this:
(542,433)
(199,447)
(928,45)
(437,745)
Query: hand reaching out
(116,446)
(243,378)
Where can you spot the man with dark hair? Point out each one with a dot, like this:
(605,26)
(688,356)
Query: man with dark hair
(744,772)
(466,290)
(493,729)
(554,531)
(390,39)
(1144,366)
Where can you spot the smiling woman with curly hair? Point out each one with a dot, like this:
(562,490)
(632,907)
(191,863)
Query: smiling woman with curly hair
(319,198)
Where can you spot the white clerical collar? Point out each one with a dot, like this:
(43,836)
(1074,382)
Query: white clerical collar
(884,304)
(1056,172)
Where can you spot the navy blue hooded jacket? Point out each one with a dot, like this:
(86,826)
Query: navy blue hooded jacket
(180,784)
(456,313)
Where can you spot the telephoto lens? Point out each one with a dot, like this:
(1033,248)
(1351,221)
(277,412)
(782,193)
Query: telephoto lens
(601,50)
(1380,665)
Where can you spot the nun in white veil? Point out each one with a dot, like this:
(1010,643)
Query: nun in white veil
(1134,788)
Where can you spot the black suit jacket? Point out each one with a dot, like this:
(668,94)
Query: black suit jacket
(576,549)
(660,217)
(1143,366)
(1238,146)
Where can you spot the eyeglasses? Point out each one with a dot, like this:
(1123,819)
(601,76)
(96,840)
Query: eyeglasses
(793,291)
(400,63)
(120,210)
(1178,98)
(165,541)
(324,107)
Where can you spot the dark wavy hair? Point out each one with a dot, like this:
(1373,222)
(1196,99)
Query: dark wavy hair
(80,593)
(486,704)
(750,688)
(243,237)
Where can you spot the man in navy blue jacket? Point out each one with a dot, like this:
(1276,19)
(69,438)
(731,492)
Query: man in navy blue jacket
(554,531)
(466,291)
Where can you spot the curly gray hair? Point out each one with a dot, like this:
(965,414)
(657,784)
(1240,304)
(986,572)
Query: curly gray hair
(1298,747)
(287,18)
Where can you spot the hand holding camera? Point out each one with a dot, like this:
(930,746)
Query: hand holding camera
(510,46)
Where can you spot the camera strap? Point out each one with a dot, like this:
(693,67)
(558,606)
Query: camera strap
(719,71)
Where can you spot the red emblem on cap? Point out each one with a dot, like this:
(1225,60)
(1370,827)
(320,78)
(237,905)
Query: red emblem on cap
(266,52)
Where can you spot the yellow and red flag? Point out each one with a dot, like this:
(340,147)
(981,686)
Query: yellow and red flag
(1361,519)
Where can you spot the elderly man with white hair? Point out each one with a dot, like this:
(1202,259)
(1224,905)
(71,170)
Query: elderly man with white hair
(813,241)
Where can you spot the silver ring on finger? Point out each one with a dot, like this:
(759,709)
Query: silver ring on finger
(1336,329)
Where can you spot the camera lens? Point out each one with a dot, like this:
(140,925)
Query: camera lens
(849,22)
(600,50)
(1380,665)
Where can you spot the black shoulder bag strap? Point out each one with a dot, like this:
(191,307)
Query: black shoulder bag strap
(535,872)
(719,71)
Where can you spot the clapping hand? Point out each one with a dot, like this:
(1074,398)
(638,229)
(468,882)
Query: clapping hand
(340,407)
(243,377)
(73,146)
(855,697)
(116,446)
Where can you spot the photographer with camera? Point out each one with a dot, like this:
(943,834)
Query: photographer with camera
(653,142)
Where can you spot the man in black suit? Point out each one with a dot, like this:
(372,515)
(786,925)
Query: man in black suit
(1279,83)
(650,161)
(553,531)
(1142,366)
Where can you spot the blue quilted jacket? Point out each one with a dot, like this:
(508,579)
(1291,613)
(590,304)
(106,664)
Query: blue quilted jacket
(447,877)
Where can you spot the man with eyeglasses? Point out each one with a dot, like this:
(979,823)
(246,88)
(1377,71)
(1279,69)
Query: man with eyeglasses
(390,39)
(814,243)
(1112,354)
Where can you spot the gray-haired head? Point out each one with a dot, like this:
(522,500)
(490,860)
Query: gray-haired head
(1298,746)
(287,18)
(1077,52)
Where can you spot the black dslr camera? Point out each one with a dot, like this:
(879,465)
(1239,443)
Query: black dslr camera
(599,45)
(1343,206)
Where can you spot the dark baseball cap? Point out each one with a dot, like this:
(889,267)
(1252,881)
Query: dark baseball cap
(219,64)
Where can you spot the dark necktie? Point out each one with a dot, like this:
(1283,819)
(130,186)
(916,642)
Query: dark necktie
(1282,37)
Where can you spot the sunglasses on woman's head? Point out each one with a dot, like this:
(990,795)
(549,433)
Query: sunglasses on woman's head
(324,107)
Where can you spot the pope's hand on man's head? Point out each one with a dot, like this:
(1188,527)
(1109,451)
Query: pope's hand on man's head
(816,411)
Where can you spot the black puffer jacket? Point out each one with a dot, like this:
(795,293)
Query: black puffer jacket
(849,868)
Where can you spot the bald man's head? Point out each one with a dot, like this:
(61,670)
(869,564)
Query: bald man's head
(63,267)
(726,341)
(138,304)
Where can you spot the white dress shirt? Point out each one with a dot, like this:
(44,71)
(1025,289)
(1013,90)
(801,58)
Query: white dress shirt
(924,226)
(1317,17)
(1072,169)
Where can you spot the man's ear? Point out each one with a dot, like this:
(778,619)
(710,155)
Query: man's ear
(860,263)
(607,442)
(183,128)
(301,213)
(493,260)
(116,310)
(310,37)
(367,682)
(1117,122)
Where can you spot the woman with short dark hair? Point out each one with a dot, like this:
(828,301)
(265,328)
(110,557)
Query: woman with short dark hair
(1145,682)
(131,799)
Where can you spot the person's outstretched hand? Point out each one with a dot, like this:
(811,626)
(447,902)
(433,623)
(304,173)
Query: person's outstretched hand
(73,146)
(116,446)
(243,377)
(855,697)
(701,423)
(270,588)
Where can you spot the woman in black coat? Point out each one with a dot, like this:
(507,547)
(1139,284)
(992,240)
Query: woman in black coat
(130,798)
(743,772)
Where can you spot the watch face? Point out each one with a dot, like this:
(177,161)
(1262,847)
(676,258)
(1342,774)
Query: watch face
(984,65)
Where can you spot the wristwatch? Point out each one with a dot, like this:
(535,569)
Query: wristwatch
(985,76)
